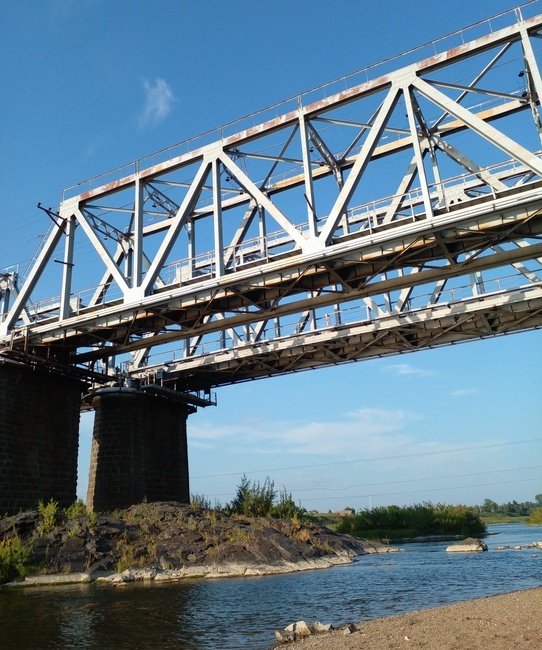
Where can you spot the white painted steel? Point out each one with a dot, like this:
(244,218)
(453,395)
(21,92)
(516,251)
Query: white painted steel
(389,196)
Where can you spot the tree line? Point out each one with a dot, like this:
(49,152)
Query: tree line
(510,508)
(424,519)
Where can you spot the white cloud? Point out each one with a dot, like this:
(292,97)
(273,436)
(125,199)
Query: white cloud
(363,432)
(405,369)
(463,392)
(158,102)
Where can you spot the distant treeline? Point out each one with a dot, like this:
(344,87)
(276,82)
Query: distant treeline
(512,508)
(413,521)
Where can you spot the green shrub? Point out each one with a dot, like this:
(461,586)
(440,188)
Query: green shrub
(77,509)
(200,502)
(535,518)
(413,521)
(49,514)
(286,508)
(14,558)
(253,499)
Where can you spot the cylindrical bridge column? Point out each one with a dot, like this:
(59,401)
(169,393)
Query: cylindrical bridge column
(139,450)
(39,436)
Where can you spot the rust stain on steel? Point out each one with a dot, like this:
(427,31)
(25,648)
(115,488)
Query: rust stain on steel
(108,188)
(315,107)
(269,125)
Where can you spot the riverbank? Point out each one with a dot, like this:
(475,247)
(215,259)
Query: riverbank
(498,622)
(166,541)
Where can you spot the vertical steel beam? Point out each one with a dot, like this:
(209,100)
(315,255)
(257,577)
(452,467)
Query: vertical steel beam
(533,77)
(307,171)
(67,271)
(262,231)
(217,220)
(137,265)
(418,154)
(191,234)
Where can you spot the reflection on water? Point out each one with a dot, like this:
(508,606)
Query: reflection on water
(235,613)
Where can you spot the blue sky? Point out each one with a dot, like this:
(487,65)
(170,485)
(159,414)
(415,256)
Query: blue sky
(89,85)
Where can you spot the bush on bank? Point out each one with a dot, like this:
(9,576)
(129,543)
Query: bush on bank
(413,521)
(535,518)
(254,499)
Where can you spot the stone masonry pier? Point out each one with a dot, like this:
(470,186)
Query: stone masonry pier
(39,436)
(139,446)
(139,449)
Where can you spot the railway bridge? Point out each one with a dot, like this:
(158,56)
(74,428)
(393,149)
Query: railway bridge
(395,209)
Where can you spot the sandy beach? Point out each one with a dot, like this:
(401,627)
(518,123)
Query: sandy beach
(496,623)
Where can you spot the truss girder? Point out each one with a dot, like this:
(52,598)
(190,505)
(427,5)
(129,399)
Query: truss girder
(384,336)
(291,221)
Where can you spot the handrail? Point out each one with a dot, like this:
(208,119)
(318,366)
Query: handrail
(345,82)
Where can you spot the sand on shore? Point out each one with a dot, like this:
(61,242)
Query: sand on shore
(501,622)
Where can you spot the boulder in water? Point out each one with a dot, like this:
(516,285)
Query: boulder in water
(468,545)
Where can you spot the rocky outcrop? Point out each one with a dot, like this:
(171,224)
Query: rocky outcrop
(301,629)
(167,540)
(468,545)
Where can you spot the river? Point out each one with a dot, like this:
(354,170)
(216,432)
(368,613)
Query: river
(243,613)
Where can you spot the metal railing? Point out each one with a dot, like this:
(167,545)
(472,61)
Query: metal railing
(347,82)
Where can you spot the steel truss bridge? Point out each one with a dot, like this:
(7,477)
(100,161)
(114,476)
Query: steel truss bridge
(395,209)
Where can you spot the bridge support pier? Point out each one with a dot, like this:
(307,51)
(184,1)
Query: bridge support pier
(39,437)
(139,449)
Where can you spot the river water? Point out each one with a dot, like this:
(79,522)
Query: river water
(243,613)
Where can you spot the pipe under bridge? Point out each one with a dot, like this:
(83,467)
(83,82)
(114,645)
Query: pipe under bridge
(395,209)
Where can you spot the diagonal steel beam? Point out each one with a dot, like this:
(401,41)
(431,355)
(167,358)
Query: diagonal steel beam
(102,251)
(360,165)
(23,297)
(262,199)
(175,226)
(487,131)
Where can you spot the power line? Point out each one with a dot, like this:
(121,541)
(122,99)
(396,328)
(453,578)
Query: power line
(436,489)
(374,459)
(414,480)
(417,480)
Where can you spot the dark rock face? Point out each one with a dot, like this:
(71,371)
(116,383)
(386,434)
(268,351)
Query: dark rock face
(468,545)
(169,536)
(22,525)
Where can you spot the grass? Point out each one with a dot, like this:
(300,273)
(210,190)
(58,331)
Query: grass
(329,519)
(497,518)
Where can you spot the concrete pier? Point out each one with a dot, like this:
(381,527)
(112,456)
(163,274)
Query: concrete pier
(39,437)
(139,449)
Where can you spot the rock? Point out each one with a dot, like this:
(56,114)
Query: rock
(284,637)
(321,627)
(19,525)
(125,576)
(182,541)
(166,561)
(468,545)
(299,629)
